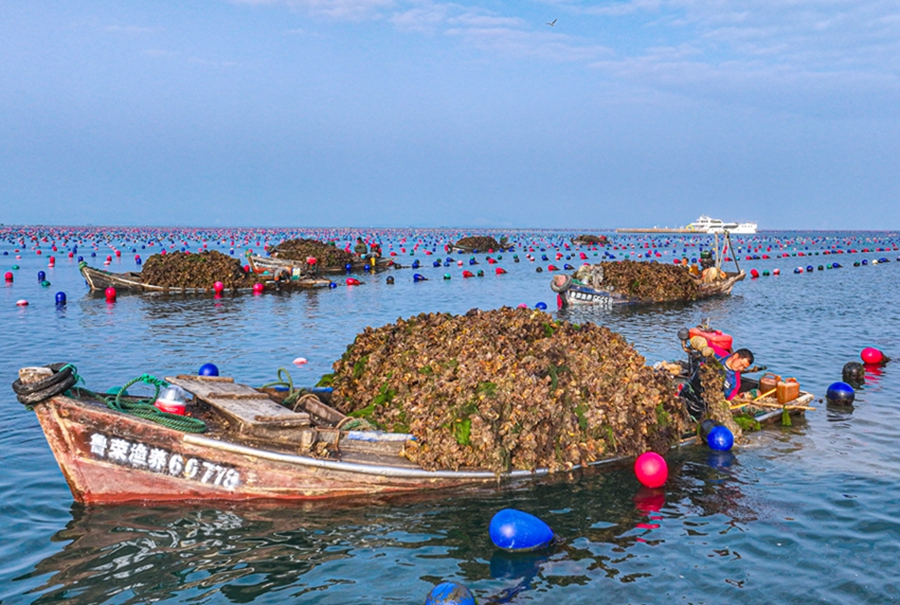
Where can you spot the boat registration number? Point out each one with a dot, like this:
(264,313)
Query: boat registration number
(599,299)
(140,456)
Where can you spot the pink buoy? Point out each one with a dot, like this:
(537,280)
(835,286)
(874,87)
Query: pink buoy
(218,287)
(22,303)
(651,469)
(522,306)
(258,288)
(110,294)
(300,361)
(872,356)
(8,276)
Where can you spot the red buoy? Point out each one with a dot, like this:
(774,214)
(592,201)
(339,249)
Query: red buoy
(110,294)
(651,469)
(872,356)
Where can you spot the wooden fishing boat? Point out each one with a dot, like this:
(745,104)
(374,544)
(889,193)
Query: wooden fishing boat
(253,448)
(100,280)
(274,265)
(590,240)
(574,292)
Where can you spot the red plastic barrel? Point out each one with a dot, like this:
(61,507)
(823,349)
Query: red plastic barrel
(714,337)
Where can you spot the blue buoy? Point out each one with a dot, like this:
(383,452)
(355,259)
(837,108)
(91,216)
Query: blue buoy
(810,268)
(208,369)
(348,267)
(720,439)
(541,305)
(517,531)
(840,393)
(865,262)
(332,285)
(450,593)
(80,259)
(436,263)
(60,298)
(419,277)
(41,276)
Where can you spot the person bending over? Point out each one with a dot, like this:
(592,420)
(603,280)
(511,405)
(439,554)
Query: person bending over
(734,364)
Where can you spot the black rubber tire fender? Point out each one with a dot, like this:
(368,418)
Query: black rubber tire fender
(56,378)
(52,391)
(559,289)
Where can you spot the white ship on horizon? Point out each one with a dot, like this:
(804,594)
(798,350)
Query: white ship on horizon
(705,224)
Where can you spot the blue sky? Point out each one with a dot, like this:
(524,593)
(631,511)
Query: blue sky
(420,113)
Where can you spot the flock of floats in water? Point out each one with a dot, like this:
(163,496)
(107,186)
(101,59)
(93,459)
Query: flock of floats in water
(428,243)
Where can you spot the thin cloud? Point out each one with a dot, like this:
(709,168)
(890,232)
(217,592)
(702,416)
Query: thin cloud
(209,63)
(158,52)
(345,10)
(131,29)
(522,43)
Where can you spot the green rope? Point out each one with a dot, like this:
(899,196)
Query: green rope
(285,380)
(144,408)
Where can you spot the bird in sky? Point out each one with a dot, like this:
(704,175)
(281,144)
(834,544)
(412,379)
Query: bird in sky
(551,23)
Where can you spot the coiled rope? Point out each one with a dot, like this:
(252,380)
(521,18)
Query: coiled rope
(65,378)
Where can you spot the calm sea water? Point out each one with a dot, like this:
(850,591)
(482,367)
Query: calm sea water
(801,514)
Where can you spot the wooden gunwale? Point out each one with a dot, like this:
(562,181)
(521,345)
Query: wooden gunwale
(108,457)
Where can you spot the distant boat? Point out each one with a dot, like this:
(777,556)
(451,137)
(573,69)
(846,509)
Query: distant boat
(705,224)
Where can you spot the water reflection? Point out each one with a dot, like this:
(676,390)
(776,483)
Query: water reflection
(243,553)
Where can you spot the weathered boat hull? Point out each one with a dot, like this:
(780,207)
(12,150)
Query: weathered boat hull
(109,457)
(99,280)
(579,294)
(273,264)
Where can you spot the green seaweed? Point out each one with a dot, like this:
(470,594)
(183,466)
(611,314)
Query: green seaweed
(359,367)
(662,416)
(488,389)
(462,430)
(747,423)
